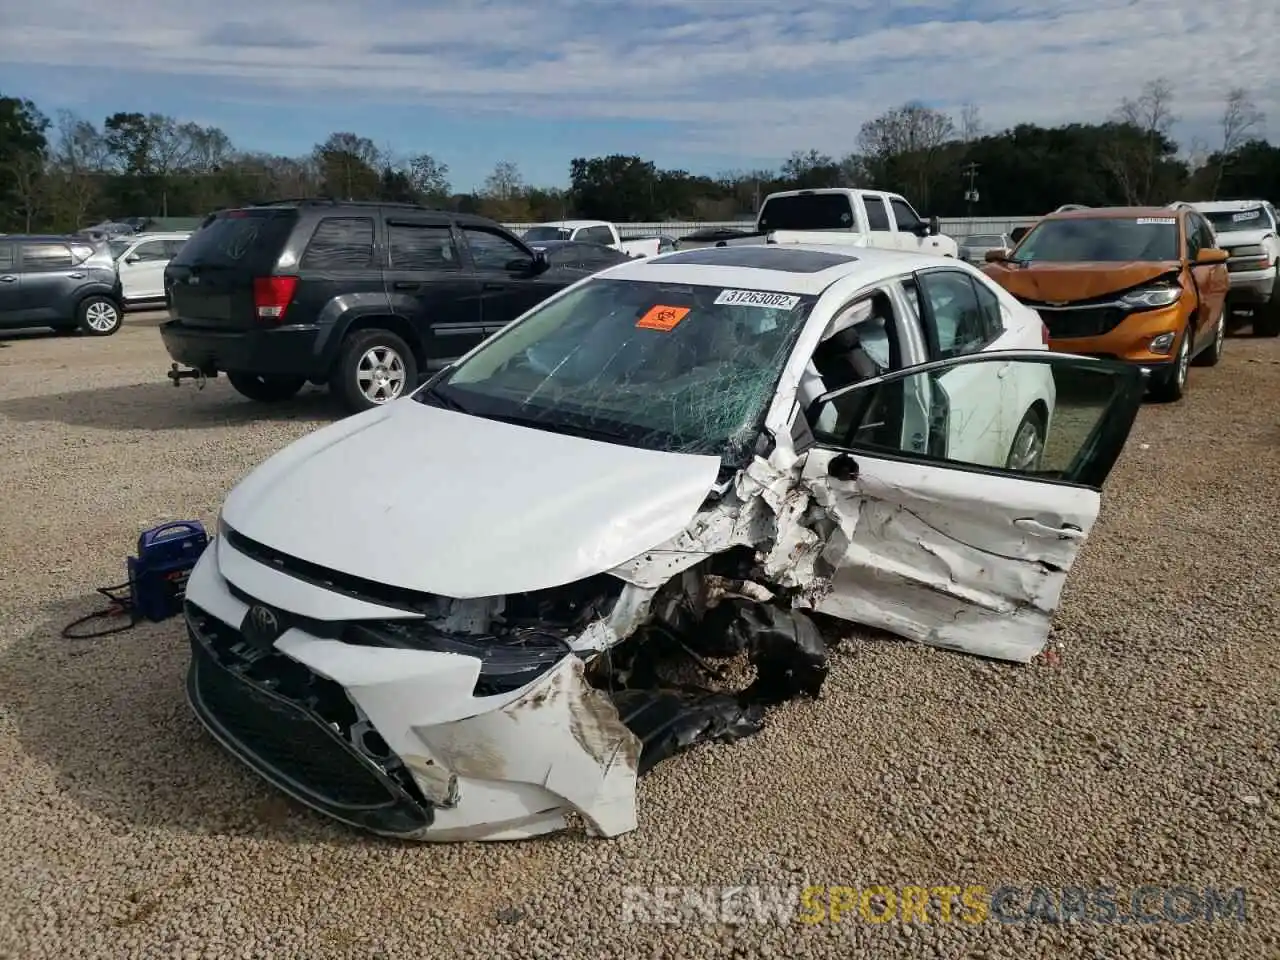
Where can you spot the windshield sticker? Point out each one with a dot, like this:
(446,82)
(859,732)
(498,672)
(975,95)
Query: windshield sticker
(757,298)
(1247,215)
(662,318)
(1157,219)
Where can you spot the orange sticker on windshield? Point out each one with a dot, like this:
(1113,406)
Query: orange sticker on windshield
(662,318)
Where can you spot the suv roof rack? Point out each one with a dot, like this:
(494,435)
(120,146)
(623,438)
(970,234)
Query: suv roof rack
(1072,206)
(334,202)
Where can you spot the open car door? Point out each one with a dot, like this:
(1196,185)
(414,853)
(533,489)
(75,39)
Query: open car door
(965,541)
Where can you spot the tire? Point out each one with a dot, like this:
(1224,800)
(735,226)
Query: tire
(99,316)
(1172,385)
(374,367)
(1027,449)
(263,388)
(1210,355)
(1266,318)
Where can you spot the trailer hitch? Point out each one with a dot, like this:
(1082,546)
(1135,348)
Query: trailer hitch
(177,376)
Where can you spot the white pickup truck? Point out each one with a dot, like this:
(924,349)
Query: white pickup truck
(592,231)
(864,218)
(1249,230)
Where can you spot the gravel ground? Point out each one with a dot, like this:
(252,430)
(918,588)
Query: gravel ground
(1144,753)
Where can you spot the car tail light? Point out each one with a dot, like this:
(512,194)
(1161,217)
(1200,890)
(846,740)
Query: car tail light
(271,296)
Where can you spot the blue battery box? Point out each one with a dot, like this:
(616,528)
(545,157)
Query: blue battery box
(158,574)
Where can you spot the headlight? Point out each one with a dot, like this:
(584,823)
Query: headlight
(1156,295)
(506,663)
(1252,251)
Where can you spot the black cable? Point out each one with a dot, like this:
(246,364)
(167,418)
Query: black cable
(120,606)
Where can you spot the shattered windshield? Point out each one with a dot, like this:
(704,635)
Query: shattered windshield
(1225,221)
(1100,239)
(540,234)
(680,368)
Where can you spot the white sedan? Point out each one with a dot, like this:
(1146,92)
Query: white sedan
(413,619)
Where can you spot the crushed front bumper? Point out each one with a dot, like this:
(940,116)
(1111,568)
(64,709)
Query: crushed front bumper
(392,740)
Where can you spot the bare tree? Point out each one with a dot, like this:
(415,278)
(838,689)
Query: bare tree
(77,161)
(970,123)
(30,189)
(905,144)
(1241,119)
(1151,115)
(505,182)
(429,176)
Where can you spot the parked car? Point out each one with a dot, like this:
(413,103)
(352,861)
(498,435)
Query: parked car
(141,260)
(66,283)
(876,436)
(974,247)
(593,231)
(360,296)
(579,255)
(1142,284)
(1249,230)
(865,218)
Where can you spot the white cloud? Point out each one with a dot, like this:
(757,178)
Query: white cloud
(758,77)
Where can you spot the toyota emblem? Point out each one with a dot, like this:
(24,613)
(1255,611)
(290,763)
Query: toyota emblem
(261,626)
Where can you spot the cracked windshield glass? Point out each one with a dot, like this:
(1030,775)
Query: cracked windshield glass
(679,368)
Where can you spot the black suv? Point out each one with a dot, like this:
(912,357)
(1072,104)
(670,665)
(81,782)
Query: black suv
(366,297)
(60,282)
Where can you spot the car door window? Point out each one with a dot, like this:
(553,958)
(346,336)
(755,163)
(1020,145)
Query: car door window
(150,252)
(1064,411)
(953,319)
(1208,240)
(422,247)
(172,247)
(6,256)
(340,243)
(596,235)
(492,251)
(1192,239)
(46,256)
(989,308)
(877,214)
(904,216)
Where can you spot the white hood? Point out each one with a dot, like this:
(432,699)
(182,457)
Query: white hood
(440,502)
(1240,238)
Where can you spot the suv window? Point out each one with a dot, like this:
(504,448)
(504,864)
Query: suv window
(905,217)
(957,325)
(173,246)
(989,307)
(1208,240)
(46,256)
(340,243)
(596,235)
(1192,237)
(6,256)
(877,215)
(422,246)
(491,251)
(249,239)
(151,250)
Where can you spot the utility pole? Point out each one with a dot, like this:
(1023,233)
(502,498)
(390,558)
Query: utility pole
(971,192)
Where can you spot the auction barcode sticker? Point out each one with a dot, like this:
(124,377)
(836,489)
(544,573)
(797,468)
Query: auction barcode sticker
(757,298)
(1157,219)
(1247,215)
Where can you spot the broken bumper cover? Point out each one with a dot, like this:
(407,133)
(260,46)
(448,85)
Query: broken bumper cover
(392,740)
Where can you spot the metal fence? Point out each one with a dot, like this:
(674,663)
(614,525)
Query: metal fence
(953,227)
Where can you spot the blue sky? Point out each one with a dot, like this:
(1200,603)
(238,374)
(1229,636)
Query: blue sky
(706,85)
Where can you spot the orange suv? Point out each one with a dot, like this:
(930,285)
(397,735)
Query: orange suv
(1142,284)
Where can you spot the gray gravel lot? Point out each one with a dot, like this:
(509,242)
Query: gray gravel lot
(1144,754)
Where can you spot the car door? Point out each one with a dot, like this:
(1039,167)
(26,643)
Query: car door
(142,270)
(431,285)
(1216,280)
(912,231)
(955,324)
(880,231)
(50,276)
(963,555)
(11,310)
(508,284)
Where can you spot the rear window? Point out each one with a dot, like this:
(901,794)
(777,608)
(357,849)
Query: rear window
(251,239)
(813,211)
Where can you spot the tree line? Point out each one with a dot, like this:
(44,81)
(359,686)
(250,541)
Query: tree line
(67,172)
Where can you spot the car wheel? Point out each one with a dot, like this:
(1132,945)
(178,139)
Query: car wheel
(1210,355)
(1173,382)
(99,316)
(375,367)
(1027,449)
(1266,317)
(263,388)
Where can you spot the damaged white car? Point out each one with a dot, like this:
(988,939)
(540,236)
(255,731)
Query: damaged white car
(440,619)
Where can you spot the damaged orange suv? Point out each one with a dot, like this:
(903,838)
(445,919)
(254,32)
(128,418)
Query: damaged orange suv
(1142,284)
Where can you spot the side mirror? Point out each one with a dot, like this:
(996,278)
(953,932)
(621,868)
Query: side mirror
(935,226)
(1212,255)
(132,260)
(998,255)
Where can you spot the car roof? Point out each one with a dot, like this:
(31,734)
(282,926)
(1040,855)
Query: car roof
(387,207)
(160,235)
(1112,213)
(48,237)
(1226,206)
(806,269)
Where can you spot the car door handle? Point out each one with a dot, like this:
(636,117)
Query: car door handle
(1065,532)
(405,285)
(76,276)
(8,279)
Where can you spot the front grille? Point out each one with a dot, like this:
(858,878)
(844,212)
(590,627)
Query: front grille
(1246,264)
(278,717)
(1083,322)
